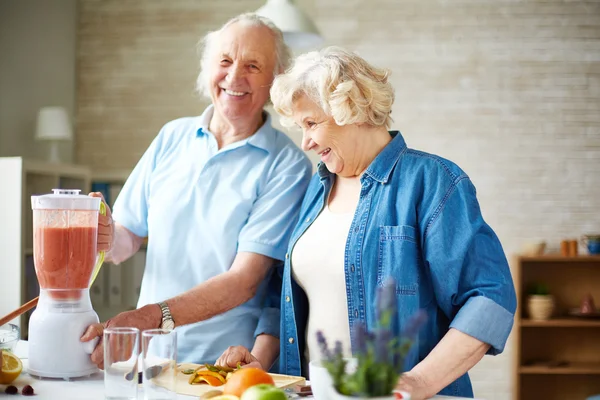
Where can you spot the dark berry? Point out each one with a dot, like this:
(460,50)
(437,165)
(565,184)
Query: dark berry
(27,390)
(11,390)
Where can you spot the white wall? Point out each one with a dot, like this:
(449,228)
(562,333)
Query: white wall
(37,68)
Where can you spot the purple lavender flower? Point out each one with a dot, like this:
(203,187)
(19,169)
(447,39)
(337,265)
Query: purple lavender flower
(386,301)
(337,350)
(360,338)
(323,345)
(383,338)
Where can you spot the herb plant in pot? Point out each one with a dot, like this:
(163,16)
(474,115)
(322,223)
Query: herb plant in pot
(378,354)
(540,303)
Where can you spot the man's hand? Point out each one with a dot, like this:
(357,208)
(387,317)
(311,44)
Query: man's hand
(147,317)
(238,354)
(106,227)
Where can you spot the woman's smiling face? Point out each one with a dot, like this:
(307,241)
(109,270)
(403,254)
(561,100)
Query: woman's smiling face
(335,144)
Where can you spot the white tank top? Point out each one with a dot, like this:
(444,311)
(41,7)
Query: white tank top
(318,267)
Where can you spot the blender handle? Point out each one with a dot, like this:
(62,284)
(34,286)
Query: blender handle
(100,258)
(89,347)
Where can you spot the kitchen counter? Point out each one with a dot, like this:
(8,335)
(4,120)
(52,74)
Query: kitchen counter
(89,388)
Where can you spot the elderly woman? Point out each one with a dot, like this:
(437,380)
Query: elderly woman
(374,209)
(217,195)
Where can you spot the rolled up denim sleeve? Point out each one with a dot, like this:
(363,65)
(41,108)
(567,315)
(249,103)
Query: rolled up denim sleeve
(469,270)
(268,322)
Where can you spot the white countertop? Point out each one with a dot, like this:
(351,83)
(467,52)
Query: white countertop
(89,388)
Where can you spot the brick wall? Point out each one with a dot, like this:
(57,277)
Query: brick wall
(509,90)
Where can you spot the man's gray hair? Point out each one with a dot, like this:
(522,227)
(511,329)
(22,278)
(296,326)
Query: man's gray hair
(282,51)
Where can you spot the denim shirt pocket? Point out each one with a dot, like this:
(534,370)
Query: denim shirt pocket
(398,258)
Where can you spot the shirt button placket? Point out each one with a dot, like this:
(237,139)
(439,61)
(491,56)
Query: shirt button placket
(291,340)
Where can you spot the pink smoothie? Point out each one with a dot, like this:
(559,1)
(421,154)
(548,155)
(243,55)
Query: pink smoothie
(65,258)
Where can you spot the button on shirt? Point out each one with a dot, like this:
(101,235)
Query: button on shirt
(199,207)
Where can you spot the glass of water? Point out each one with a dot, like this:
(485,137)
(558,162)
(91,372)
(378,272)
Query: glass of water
(121,352)
(159,364)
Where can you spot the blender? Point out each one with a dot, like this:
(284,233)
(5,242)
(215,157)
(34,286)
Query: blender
(65,232)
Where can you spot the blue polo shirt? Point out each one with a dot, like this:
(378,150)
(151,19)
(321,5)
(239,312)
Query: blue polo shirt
(199,207)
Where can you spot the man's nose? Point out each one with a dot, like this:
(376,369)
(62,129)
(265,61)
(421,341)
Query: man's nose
(236,72)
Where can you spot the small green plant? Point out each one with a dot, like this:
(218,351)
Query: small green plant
(539,289)
(379,353)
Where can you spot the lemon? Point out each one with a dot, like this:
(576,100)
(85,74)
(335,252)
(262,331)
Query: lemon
(11,367)
(225,397)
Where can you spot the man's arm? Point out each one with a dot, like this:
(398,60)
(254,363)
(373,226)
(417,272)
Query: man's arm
(125,244)
(223,292)
(213,297)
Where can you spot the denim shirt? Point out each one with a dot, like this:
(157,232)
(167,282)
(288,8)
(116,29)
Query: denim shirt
(417,220)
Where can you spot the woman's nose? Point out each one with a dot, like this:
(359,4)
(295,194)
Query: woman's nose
(307,143)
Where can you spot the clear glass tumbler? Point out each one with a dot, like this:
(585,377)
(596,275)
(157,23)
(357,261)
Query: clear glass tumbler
(121,352)
(159,364)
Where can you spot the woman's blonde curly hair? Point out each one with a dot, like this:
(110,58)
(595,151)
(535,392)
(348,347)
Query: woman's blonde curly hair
(344,84)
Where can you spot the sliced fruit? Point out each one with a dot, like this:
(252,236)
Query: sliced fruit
(211,373)
(11,367)
(211,380)
(225,397)
(210,394)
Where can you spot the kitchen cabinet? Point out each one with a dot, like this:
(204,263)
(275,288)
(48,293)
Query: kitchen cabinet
(558,358)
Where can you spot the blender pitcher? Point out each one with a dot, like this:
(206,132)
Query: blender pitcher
(65,233)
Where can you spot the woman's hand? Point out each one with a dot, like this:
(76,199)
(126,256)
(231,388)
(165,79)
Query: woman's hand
(106,226)
(238,354)
(412,383)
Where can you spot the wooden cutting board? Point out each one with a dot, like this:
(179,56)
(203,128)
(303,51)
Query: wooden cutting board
(183,387)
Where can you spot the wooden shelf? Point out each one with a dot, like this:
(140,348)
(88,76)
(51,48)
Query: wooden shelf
(556,258)
(562,323)
(572,340)
(572,369)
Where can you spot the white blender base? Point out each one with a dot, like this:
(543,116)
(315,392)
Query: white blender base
(55,349)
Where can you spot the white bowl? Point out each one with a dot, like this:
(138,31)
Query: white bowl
(322,385)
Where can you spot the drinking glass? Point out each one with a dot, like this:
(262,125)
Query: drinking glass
(159,364)
(121,352)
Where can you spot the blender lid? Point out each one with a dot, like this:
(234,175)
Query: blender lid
(65,199)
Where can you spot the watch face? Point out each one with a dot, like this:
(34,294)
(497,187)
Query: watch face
(168,324)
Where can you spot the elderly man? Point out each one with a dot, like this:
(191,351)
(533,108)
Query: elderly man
(217,196)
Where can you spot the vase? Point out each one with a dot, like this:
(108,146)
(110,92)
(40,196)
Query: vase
(540,308)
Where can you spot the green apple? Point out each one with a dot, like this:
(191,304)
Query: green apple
(263,391)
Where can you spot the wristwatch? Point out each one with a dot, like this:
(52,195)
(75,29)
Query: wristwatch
(167,319)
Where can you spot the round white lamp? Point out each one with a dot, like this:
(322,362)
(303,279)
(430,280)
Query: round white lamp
(298,29)
(53,125)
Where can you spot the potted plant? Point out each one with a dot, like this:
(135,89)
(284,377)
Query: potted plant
(378,355)
(540,303)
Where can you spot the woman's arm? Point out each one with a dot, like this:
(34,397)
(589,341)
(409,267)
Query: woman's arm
(453,357)
(263,355)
